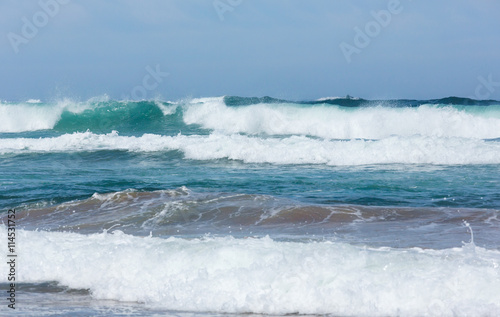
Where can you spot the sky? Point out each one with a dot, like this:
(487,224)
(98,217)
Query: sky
(292,49)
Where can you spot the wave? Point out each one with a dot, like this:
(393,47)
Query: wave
(183,212)
(337,118)
(336,122)
(97,114)
(349,101)
(261,275)
(29,116)
(288,150)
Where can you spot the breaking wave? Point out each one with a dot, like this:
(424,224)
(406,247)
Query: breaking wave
(288,150)
(261,275)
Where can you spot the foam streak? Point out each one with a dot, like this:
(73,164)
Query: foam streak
(264,276)
(290,150)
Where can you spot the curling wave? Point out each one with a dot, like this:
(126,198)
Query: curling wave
(338,122)
(328,118)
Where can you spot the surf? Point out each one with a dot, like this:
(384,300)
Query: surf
(329,118)
(183,212)
(101,115)
(261,275)
(280,151)
(332,121)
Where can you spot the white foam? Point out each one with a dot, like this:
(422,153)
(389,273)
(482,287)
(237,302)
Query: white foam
(205,100)
(28,117)
(33,101)
(290,150)
(33,115)
(263,276)
(166,110)
(328,121)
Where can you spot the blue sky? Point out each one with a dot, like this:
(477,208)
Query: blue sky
(282,48)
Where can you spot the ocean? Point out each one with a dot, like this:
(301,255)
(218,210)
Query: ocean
(235,206)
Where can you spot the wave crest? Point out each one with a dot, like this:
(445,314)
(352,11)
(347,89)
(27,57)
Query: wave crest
(335,122)
(97,115)
(289,150)
(330,118)
(260,275)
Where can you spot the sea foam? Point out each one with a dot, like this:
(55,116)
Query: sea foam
(260,275)
(288,150)
(327,121)
(28,117)
(34,115)
(334,122)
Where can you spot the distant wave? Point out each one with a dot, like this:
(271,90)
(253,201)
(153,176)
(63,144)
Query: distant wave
(336,122)
(288,150)
(94,115)
(350,101)
(333,118)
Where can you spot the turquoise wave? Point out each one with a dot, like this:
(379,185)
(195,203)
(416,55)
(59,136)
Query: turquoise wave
(122,116)
(152,116)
